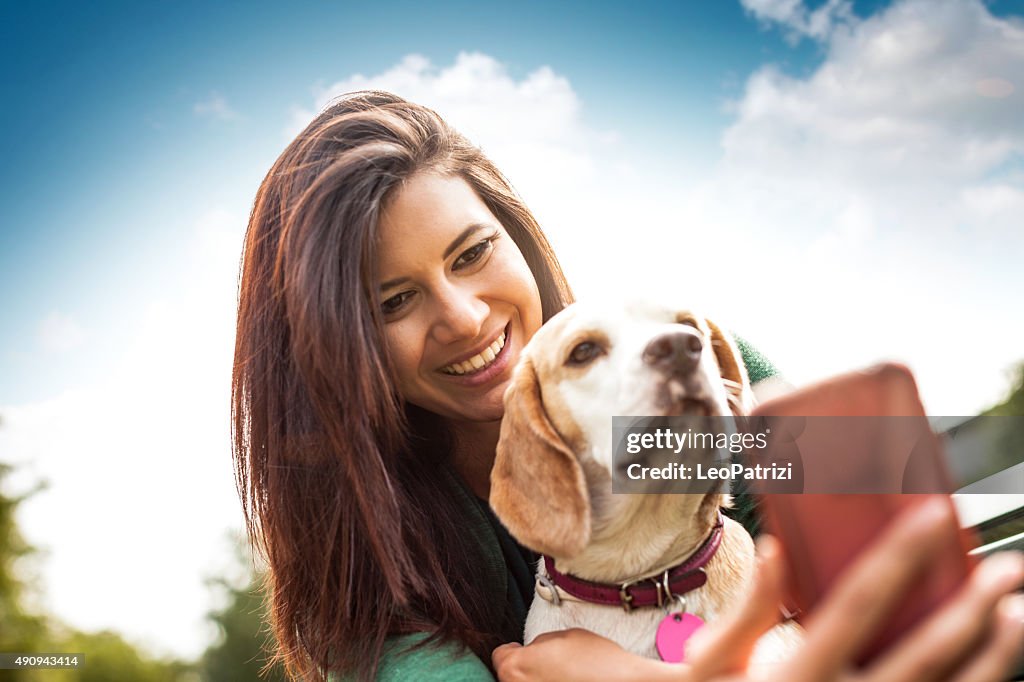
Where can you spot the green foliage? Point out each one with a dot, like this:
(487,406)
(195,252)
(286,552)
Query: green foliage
(1010,443)
(1013,405)
(241,651)
(20,630)
(109,657)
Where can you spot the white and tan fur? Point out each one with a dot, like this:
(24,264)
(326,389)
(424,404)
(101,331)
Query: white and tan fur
(551,482)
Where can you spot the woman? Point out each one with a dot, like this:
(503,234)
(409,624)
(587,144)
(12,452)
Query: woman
(390,279)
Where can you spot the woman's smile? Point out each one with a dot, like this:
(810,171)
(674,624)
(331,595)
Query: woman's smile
(479,363)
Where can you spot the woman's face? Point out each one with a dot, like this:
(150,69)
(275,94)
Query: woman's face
(458,299)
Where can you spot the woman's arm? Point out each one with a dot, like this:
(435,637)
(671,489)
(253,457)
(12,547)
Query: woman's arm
(977,635)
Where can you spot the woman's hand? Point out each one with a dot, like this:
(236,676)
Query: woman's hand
(571,655)
(977,635)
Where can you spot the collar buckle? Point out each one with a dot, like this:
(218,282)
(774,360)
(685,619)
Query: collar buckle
(625,597)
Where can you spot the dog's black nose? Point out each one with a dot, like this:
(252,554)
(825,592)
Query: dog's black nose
(677,351)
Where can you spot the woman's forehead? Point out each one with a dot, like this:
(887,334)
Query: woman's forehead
(432,205)
(427,218)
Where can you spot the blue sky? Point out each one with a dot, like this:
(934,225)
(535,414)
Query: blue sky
(104,146)
(840,182)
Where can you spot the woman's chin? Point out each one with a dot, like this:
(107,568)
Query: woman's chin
(480,412)
(488,407)
(485,414)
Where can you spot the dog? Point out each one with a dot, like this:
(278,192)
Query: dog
(551,484)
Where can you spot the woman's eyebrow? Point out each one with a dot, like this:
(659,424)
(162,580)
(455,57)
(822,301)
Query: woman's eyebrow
(475,227)
(462,237)
(393,283)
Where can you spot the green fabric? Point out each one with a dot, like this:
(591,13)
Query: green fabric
(758,366)
(494,571)
(508,566)
(744,505)
(445,663)
(520,565)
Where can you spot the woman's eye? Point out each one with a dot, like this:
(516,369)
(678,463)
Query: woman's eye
(472,255)
(395,303)
(583,353)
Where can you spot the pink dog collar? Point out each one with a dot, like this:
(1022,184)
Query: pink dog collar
(657,590)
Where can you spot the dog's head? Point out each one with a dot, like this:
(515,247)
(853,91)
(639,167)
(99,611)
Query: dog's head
(581,368)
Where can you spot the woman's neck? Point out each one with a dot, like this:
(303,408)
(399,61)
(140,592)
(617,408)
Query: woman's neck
(475,445)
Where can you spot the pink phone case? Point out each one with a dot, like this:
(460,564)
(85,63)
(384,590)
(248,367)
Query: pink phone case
(823,533)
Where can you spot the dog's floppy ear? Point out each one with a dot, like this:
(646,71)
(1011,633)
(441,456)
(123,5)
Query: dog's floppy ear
(537,485)
(732,369)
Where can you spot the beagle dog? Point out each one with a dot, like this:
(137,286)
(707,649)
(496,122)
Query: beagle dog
(621,565)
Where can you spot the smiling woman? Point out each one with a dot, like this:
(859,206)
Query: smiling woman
(390,279)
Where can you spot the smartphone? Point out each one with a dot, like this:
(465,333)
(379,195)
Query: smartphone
(872,422)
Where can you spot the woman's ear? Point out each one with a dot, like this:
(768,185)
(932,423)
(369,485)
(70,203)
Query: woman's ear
(732,369)
(537,485)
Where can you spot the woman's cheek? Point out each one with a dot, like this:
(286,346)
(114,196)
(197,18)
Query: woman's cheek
(517,277)
(403,350)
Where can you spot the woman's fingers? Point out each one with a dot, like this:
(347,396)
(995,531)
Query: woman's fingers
(504,660)
(956,630)
(726,646)
(1004,648)
(868,590)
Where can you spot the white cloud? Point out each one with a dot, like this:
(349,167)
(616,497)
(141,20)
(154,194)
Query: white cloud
(215,106)
(477,95)
(531,127)
(60,333)
(800,21)
(994,87)
(880,197)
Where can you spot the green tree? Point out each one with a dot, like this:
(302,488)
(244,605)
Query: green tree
(109,657)
(1013,405)
(244,641)
(1010,442)
(20,630)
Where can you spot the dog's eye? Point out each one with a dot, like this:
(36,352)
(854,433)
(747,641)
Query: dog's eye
(584,352)
(687,320)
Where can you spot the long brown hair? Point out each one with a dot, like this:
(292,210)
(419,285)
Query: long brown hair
(339,479)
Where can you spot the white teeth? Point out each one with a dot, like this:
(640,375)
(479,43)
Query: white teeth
(478,361)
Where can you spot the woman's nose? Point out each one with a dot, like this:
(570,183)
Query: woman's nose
(462,315)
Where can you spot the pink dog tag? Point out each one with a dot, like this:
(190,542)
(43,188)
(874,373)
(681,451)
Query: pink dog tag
(673,631)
